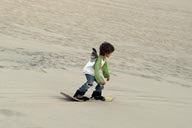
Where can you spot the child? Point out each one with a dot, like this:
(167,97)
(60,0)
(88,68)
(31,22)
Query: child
(96,70)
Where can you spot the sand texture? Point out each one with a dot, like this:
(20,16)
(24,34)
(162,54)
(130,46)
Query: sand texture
(44,44)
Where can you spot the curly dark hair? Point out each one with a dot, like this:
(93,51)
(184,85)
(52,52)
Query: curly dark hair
(106,48)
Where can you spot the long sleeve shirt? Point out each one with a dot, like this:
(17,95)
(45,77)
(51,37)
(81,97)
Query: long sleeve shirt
(99,69)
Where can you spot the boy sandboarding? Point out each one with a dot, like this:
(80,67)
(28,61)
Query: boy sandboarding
(96,70)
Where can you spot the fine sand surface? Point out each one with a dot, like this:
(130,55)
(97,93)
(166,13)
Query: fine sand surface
(44,45)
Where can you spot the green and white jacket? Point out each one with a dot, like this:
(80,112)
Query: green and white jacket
(99,69)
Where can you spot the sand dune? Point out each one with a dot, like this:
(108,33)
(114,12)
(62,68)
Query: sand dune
(44,45)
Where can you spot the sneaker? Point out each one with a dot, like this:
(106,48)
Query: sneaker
(80,95)
(97,96)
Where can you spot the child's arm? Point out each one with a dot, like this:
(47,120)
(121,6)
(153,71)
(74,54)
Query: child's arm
(105,70)
(97,67)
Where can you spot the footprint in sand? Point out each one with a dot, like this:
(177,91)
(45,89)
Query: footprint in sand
(9,113)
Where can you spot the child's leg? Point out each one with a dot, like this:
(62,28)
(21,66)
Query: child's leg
(97,94)
(83,89)
(88,84)
(99,88)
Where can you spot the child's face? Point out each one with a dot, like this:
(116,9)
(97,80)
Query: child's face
(108,54)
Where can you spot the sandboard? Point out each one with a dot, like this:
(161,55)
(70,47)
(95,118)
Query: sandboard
(71,98)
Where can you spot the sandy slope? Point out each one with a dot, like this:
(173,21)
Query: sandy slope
(44,45)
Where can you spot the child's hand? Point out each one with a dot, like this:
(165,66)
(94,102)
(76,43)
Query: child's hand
(103,83)
(108,78)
